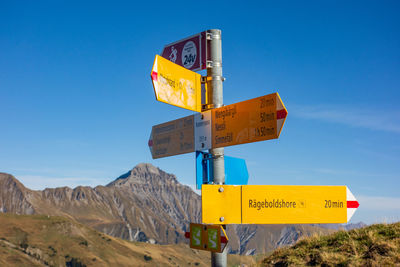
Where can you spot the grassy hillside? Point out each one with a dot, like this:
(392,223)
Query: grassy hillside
(375,245)
(37,240)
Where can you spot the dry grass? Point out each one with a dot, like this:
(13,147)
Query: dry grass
(38,240)
(375,245)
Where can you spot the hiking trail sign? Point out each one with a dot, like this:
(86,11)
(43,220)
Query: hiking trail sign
(254,120)
(176,85)
(276,204)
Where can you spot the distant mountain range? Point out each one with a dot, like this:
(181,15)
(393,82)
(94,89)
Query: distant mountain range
(145,204)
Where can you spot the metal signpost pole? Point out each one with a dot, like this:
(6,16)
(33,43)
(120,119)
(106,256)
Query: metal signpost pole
(214,73)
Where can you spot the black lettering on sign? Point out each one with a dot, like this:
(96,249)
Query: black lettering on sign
(264,131)
(224,139)
(189,59)
(226,112)
(202,123)
(265,117)
(164,129)
(164,140)
(266,102)
(220,126)
(165,80)
(272,204)
(160,151)
(185,146)
(188,122)
(329,204)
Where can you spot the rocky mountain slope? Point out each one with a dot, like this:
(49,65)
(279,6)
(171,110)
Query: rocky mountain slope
(41,240)
(146,204)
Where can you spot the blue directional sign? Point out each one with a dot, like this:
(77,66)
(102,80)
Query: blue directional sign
(235,170)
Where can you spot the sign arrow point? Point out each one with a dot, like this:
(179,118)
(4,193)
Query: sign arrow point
(352,204)
(154,76)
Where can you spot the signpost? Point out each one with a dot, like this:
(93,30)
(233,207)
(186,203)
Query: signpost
(276,204)
(207,237)
(254,120)
(190,52)
(176,85)
(219,126)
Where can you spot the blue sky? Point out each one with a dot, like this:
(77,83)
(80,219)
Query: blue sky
(77,103)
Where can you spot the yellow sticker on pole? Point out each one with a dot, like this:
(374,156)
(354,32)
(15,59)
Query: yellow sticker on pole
(176,85)
(207,237)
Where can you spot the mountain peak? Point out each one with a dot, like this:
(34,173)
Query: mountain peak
(7,181)
(13,195)
(144,173)
(147,167)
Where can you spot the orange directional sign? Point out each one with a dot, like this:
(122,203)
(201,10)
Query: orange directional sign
(253,120)
(207,237)
(249,121)
(275,204)
(176,85)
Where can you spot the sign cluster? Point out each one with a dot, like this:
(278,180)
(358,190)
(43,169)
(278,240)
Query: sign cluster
(249,121)
(254,120)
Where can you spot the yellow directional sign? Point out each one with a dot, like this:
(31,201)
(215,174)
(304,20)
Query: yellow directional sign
(249,121)
(176,85)
(275,204)
(207,237)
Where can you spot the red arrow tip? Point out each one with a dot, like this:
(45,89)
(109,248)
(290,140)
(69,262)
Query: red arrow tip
(154,76)
(281,114)
(187,234)
(353,204)
(223,239)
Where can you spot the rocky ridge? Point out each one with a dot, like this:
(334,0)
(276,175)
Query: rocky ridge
(145,204)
